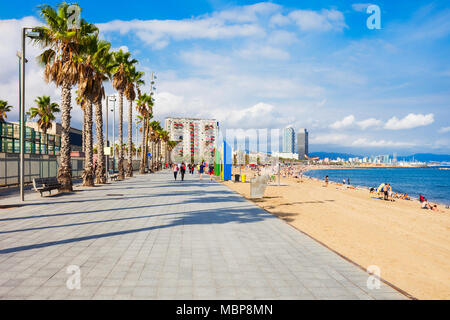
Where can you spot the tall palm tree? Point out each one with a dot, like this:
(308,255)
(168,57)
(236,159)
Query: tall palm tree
(170,146)
(61,46)
(95,66)
(134,80)
(45,110)
(4,108)
(165,140)
(120,83)
(145,109)
(82,102)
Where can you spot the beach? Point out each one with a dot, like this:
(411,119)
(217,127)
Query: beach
(410,245)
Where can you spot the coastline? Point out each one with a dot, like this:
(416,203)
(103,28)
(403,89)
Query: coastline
(409,244)
(413,195)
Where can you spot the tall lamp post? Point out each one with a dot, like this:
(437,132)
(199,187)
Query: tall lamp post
(113,110)
(26,32)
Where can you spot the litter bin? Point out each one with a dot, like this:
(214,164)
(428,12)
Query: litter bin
(243,178)
(236,177)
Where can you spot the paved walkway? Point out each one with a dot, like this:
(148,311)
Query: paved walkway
(152,238)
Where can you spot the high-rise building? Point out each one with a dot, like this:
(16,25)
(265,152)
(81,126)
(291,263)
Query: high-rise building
(197,138)
(302,143)
(288,140)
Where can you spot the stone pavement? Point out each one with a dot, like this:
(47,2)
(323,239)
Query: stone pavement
(150,237)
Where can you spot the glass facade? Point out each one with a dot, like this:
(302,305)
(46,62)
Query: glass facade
(35,142)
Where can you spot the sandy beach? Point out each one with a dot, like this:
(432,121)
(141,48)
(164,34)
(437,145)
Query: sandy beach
(410,245)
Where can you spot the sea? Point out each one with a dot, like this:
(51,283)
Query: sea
(431,182)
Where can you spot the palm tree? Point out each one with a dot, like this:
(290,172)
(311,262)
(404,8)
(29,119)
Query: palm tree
(45,110)
(134,79)
(165,139)
(82,102)
(170,146)
(120,83)
(95,66)
(145,109)
(61,46)
(4,108)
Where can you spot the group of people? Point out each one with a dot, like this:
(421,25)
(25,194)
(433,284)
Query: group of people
(201,168)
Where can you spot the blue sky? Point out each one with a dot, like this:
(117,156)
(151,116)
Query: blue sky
(254,65)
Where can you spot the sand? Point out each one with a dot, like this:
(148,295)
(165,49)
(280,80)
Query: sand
(410,245)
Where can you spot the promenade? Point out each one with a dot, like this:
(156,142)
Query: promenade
(150,237)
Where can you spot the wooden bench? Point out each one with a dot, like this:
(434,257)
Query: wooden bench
(45,184)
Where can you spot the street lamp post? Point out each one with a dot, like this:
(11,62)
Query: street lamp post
(107,140)
(23,60)
(113,99)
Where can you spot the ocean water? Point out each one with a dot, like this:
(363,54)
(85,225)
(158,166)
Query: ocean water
(432,182)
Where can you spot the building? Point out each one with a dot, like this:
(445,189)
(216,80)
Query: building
(75,135)
(288,140)
(197,138)
(302,143)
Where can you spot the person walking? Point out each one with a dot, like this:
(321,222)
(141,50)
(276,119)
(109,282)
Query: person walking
(211,172)
(175,170)
(182,170)
(348,180)
(326,181)
(201,169)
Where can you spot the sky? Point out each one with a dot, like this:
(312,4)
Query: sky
(265,65)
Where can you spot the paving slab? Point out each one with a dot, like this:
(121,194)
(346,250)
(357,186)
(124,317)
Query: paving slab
(149,237)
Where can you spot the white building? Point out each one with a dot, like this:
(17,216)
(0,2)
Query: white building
(197,138)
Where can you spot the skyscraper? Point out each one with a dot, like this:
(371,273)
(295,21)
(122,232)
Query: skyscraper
(302,143)
(288,140)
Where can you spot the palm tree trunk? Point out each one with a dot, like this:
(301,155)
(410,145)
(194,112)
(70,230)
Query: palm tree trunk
(142,164)
(88,173)
(101,168)
(121,155)
(65,166)
(130,139)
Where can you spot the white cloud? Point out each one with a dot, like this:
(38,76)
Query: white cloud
(267,52)
(324,20)
(344,123)
(363,142)
(233,23)
(410,121)
(360,7)
(372,122)
(444,130)
(338,139)
(279,20)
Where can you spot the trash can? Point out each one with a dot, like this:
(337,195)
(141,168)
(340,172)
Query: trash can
(243,178)
(236,177)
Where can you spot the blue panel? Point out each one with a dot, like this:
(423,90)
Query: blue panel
(227,165)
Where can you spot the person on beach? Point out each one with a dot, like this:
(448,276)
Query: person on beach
(343,181)
(390,192)
(175,171)
(326,181)
(182,170)
(348,181)
(385,191)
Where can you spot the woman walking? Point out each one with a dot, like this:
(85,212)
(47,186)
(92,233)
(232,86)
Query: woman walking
(175,171)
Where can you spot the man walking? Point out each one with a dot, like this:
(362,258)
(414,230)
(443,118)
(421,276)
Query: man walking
(182,170)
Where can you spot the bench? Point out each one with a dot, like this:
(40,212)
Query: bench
(45,184)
